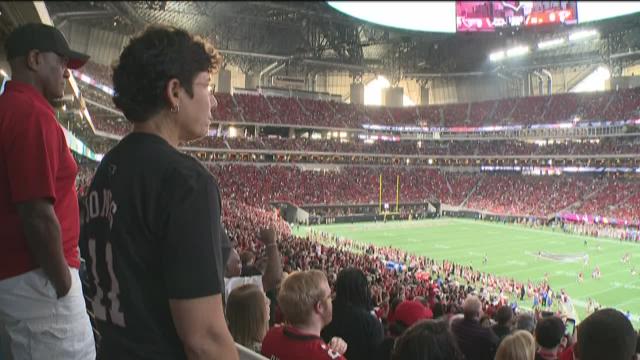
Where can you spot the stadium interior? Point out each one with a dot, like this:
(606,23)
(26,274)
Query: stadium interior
(325,119)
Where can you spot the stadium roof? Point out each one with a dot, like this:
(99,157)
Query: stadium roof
(313,34)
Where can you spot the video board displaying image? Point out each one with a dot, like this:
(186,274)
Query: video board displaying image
(487,16)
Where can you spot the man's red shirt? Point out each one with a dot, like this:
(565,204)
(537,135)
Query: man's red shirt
(288,343)
(35,163)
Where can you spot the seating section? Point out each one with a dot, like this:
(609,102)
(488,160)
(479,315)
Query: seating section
(503,110)
(480,111)
(453,148)
(628,209)
(256,108)
(98,72)
(592,105)
(540,196)
(609,196)
(624,105)
(529,110)
(562,108)
(319,113)
(456,114)
(225,110)
(521,195)
(287,111)
(430,116)
(495,193)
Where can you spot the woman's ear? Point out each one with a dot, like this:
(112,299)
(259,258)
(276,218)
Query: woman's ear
(172,92)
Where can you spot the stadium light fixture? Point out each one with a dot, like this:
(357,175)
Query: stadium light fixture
(517,51)
(581,35)
(496,56)
(550,43)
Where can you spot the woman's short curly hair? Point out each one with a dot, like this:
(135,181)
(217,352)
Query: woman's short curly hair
(150,61)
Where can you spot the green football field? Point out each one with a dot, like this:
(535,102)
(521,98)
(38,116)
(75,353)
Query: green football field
(512,251)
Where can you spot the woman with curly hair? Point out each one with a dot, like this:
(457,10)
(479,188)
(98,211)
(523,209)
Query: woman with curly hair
(152,238)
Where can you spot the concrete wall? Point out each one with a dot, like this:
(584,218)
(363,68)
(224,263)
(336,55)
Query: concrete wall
(251,81)
(357,93)
(224,81)
(465,89)
(632,70)
(623,82)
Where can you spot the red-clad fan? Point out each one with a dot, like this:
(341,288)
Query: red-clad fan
(42,309)
(305,300)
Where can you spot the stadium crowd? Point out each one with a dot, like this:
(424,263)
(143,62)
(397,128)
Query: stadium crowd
(540,196)
(517,195)
(453,148)
(255,108)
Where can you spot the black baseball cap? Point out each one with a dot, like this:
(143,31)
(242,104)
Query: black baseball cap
(44,38)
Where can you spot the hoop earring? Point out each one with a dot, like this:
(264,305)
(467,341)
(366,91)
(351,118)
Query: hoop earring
(175,109)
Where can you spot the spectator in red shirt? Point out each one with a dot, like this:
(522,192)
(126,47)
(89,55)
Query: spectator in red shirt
(305,301)
(42,309)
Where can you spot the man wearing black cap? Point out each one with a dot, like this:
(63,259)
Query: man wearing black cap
(42,309)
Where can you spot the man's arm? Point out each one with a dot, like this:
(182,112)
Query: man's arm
(273,273)
(42,230)
(201,326)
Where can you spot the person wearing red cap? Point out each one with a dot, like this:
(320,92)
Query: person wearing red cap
(409,312)
(406,314)
(42,309)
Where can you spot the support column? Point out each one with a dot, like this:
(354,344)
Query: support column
(251,81)
(224,81)
(393,96)
(424,95)
(357,94)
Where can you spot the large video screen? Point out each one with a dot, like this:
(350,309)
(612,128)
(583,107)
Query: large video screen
(487,16)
